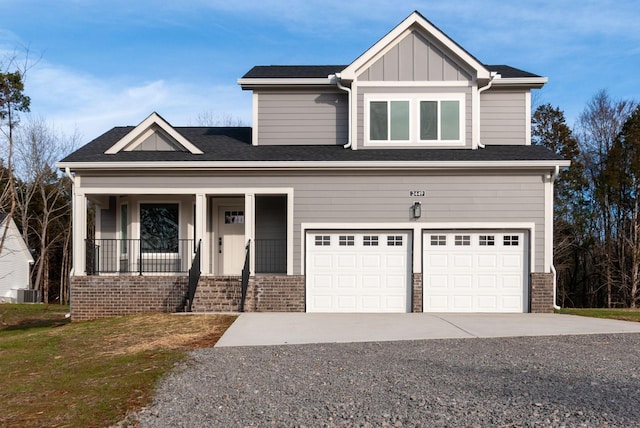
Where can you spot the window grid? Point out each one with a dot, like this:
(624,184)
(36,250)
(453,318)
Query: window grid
(346,240)
(394,240)
(438,240)
(462,240)
(323,240)
(487,240)
(511,240)
(370,241)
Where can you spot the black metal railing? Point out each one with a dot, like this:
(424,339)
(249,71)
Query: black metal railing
(194,277)
(138,256)
(271,255)
(245,276)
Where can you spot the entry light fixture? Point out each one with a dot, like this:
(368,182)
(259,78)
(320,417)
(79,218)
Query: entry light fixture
(416,210)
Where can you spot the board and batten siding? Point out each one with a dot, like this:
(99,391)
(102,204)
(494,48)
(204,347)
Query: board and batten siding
(361,109)
(378,196)
(302,117)
(504,117)
(416,58)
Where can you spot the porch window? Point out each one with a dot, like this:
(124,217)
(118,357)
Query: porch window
(124,224)
(159,228)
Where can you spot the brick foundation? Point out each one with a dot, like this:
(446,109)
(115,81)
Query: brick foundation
(104,296)
(218,294)
(416,293)
(541,292)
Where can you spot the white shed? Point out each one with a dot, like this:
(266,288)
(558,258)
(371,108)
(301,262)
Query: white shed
(15,261)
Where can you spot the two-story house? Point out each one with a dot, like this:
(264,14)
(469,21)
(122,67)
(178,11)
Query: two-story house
(402,182)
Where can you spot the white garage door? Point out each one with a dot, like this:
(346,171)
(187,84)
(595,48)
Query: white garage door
(357,271)
(481,271)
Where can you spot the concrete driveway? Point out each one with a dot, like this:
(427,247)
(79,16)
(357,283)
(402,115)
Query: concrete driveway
(256,329)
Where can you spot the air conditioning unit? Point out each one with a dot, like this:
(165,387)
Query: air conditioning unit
(28,296)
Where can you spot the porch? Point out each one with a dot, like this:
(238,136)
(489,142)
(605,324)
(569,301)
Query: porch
(151,234)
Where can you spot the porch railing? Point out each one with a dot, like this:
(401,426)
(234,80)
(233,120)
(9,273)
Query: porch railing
(271,255)
(138,256)
(194,277)
(245,276)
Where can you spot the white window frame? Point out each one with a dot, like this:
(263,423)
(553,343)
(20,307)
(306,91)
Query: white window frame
(414,119)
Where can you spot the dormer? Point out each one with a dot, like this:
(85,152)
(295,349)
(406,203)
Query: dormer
(414,88)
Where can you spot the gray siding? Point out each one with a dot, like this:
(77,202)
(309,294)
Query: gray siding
(159,142)
(379,197)
(360,115)
(108,220)
(415,58)
(302,117)
(503,117)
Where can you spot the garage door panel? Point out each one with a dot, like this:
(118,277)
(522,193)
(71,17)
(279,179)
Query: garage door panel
(474,271)
(367,273)
(346,261)
(487,281)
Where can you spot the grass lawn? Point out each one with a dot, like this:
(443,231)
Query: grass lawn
(89,374)
(617,314)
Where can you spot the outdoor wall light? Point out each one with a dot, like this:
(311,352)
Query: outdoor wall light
(416,210)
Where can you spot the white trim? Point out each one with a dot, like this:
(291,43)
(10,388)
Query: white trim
(548,222)
(275,81)
(527,118)
(415,83)
(415,19)
(475,116)
(418,228)
(143,130)
(534,82)
(311,165)
(254,118)
(414,100)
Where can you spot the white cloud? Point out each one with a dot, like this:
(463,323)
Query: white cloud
(76,101)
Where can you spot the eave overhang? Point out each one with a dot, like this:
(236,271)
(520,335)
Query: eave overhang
(530,82)
(317,165)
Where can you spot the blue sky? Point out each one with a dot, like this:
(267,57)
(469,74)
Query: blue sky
(97,64)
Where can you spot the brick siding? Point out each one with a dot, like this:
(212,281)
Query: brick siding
(417,293)
(542,292)
(104,296)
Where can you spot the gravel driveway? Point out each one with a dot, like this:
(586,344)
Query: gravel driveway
(591,380)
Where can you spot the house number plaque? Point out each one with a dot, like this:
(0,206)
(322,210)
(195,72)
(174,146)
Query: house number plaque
(417,193)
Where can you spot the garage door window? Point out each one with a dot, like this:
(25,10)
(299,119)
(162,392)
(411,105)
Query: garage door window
(487,240)
(370,241)
(323,240)
(438,240)
(510,241)
(462,240)
(346,240)
(394,241)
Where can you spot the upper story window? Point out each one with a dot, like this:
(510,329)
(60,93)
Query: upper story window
(415,119)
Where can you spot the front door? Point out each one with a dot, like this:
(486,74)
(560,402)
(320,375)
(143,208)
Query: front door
(230,242)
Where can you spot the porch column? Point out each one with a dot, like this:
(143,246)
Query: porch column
(200,232)
(249,227)
(79,224)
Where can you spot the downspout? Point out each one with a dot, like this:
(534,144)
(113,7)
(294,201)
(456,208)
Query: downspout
(481,90)
(336,78)
(553,268)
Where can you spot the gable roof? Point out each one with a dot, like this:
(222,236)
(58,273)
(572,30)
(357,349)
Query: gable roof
(145,129)
(232,146)
(415,20)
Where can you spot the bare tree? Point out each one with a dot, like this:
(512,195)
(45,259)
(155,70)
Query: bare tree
(599,125)
(210,118)
(43,198)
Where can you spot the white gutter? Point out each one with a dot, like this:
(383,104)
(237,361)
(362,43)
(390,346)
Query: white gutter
(480,91)
(336,78)
(556,171)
